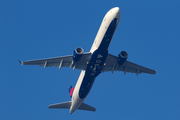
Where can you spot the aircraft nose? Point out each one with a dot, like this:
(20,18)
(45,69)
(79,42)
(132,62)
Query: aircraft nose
(117,10)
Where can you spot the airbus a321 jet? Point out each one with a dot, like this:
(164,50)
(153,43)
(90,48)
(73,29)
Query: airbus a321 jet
(92,63)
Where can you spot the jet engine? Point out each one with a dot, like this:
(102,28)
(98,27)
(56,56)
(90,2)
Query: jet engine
(77,54)
(122,57)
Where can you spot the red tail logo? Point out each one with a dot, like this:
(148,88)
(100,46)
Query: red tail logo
(71,89)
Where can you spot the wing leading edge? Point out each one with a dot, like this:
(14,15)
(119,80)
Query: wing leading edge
(112,65)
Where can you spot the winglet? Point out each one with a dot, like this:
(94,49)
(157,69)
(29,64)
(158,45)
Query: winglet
(21,62)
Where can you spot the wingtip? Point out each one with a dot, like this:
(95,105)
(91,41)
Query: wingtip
(50,106)
(154,72)
(20,62)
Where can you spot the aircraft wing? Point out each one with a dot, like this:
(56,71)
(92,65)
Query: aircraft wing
(111,64)
(63,61)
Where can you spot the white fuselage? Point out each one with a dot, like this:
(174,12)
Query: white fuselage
(99,43)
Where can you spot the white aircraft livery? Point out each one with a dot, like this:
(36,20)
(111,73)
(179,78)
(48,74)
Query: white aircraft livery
(92,63)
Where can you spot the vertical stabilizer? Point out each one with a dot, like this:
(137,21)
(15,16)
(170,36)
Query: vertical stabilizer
(71,89)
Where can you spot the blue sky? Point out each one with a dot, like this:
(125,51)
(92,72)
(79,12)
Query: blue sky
(148,30)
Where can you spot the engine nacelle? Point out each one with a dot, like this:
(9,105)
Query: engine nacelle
(77,54)
(122,57)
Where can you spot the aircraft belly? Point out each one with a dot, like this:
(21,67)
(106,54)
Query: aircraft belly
(76,100)
(86,86)
(78,85)
(93,69)
(97,60)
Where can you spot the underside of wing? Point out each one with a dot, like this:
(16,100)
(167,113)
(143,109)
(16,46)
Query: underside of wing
(63,61)
(111,64)
(64,105)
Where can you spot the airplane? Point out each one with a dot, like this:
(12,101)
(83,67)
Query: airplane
(92,63)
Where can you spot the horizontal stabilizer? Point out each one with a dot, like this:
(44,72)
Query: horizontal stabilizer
(65,105)
(84,106)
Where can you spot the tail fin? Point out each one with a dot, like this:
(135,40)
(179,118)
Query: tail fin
(71,89)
